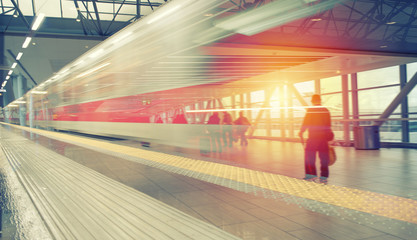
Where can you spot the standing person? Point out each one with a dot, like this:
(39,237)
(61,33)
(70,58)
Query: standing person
(242,126)
(317,122)
(227,129)
(215,132)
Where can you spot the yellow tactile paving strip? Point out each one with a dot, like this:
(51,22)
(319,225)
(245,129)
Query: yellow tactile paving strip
(365,201)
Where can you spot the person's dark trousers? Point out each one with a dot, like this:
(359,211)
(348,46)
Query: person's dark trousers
(312,147)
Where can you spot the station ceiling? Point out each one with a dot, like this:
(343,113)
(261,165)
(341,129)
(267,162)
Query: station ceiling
(349,36)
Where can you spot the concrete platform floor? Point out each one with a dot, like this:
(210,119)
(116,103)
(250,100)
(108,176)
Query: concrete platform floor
(255,191)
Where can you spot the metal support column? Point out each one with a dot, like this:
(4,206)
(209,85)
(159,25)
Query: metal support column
(290,110)
(22,107)
(397,100)
(2,64)
(317,86)
(31,113)
(345,99)
(355,101)
(248,105)
(233,113)
(282,111)
(405,130)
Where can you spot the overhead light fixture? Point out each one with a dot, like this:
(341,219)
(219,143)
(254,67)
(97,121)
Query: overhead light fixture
(14,65)
(7,77)
(4,83)
(272,15)
(19,102)
(26,43)
(38,21)
(10,72)
(38,92)
(19,55)
(391,23)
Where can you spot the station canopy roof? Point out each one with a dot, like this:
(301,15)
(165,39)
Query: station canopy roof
(96,17)
(348,37)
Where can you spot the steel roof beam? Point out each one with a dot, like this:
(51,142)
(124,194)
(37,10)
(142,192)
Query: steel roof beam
(21,66)
(382,23)
(80,15)
(20,14)
(148,4)
(114,18)
(100,30)
(89,14)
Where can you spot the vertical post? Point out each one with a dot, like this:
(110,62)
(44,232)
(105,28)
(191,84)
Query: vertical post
(138,9)
(290,110)
(248,105)
(2,73)
(233,113)
(405,131)
(31,113)
(20,91)
(317,86)
(268,96)
(345,99)
(241,102)
(355,101)
(282,110)
(397,100)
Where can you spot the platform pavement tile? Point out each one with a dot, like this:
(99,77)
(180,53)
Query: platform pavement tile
(284,224)
(310,234)
(334,227)
(224,214)
(257,230)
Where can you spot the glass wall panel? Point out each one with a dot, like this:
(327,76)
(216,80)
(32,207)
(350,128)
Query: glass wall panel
(413,128)
(258,96)
(334,103)
(412,101)
(227,102)
(379,77)
(329,85)
(306,89)
(412,96)
(411,70)
(375,101)
(390,131)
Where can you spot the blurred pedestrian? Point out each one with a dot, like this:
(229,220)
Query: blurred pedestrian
(242,125)
(214,132)
(227,129)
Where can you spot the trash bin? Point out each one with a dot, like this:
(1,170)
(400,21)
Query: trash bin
(366,137)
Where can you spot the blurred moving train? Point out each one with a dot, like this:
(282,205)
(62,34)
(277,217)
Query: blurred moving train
(188,55)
